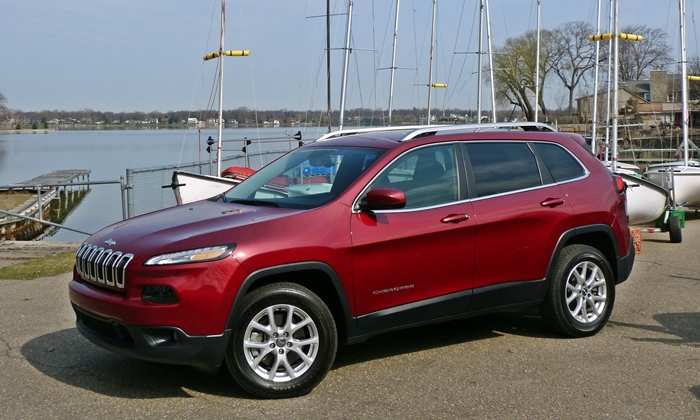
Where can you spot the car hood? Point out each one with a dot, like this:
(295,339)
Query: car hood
(204,223)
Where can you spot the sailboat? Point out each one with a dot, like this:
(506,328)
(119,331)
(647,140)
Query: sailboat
(682,177)
(646,201)
(189,186)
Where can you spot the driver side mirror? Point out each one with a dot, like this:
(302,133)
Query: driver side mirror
(383,199)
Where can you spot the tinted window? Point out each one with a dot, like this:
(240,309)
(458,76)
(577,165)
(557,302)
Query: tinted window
(560,163)
(502,167)
(426,176)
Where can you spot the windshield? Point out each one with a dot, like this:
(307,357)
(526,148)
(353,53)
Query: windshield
(305,178)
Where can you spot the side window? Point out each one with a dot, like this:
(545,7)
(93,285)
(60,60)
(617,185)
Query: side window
(560,163)
(502,167)
(426,176)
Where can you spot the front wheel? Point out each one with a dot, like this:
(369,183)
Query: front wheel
(284,342)
(581,292)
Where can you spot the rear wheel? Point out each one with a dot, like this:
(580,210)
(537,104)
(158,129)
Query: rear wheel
(581,292)
(284,342)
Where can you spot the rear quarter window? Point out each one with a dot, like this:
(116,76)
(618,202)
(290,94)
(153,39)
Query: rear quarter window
(500,167)
(561,164)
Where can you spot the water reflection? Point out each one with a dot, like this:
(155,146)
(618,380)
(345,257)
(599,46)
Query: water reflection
(3,154)
(107,154)
(13,229)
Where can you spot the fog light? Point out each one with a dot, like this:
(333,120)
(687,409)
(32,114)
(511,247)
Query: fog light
(161,337)
(159,294)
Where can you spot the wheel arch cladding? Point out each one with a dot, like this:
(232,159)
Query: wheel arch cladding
(318,277)
(600,237)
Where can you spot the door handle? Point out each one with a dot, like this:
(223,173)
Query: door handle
(455,218)
(552,202)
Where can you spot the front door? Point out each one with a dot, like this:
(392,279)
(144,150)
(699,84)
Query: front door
(410,263)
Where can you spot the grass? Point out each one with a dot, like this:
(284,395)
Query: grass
(42,267)
(11,200)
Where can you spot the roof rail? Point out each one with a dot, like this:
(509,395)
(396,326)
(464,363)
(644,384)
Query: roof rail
(425,130)
(474,128)
(350,132)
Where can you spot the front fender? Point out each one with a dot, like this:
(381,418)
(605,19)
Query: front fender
(264,276)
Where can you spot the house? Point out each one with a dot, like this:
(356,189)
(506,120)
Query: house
(631,93)
(650,102)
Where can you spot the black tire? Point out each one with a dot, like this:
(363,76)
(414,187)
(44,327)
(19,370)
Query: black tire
(290,359)
(674,229)
(583,277)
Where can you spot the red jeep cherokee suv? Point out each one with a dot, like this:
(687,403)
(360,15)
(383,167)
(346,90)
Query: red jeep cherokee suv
(355,234)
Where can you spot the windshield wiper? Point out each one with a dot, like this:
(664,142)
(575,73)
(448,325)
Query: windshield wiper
(259,203)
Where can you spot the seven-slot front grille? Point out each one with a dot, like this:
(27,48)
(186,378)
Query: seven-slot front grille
(102,266)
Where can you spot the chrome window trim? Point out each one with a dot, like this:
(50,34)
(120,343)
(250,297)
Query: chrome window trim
(586,174)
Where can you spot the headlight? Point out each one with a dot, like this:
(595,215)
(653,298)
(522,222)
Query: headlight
(211,253)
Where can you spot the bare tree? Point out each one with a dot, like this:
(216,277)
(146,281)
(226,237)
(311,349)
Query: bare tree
(572,55)
(638,57)
(561,99)
(3,108)
(514,72)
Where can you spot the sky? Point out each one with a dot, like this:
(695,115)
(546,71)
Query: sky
(136,55)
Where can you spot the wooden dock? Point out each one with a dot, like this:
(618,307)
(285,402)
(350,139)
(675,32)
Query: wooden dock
(45,189)
(60,177)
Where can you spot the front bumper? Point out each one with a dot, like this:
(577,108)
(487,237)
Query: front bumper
(160,344)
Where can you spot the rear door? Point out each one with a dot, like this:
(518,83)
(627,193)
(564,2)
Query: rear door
(520,214)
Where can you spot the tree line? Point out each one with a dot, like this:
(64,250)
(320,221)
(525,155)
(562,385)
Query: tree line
(243,116)
(3,108)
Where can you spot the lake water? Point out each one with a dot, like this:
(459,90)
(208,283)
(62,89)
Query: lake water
(108,153)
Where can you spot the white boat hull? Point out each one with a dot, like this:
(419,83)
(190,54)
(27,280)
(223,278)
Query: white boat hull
(685,183)
(645,201)
(623,168)
(190,187)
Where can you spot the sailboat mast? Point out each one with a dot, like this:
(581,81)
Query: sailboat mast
(684,82)
(430,69)
(221,85)
(595,87)
(537,64)
(345,66)
(616,63)
(607,97)
(328,60)
(480,60)
(488,38)
(393,61)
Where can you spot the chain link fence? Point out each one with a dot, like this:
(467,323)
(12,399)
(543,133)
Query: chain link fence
(148,189)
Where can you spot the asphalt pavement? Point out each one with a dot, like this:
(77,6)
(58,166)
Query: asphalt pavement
(645,364)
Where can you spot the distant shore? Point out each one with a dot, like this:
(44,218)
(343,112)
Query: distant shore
(84,127)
